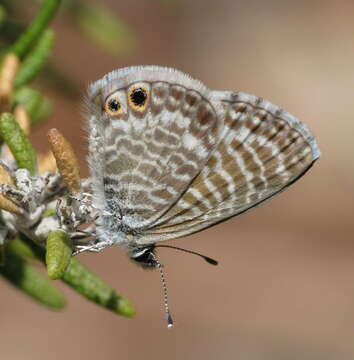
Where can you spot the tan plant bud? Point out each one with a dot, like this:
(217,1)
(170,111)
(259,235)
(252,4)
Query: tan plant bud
(21,116)
(8,73)
(5,203)
(66,160)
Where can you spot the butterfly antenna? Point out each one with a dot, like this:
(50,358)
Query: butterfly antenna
(165,293)
(206,258)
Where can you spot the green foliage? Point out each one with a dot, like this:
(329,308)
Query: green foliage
(49,212)
(95,21)
(59,250)
(39,108)
(3,15)
(36,59)
(33,47)
(22,249)
(108,31)
(33,32)
(82,280)
(93,288)
(21,274)
(18,143)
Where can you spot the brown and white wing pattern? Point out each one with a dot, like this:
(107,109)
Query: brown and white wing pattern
(262,149)
(143,158)
(168,157)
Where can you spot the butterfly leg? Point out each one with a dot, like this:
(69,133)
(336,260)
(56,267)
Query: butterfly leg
(83,234)
(93,247)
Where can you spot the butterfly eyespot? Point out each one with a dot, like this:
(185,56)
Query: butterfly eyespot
(113,107)
(138,98)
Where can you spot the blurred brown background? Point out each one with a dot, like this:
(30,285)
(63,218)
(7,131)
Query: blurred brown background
(284,288)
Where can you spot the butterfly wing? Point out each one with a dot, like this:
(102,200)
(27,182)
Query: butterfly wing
(261,151)
(143,161)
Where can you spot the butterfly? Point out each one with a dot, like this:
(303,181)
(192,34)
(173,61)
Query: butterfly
(169,157)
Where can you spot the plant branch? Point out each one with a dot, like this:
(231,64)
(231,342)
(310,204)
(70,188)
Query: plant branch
(21,274)
(58,253)
(25,42)
(18,143)
(35,60)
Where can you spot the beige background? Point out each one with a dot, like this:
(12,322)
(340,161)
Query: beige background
(285,285)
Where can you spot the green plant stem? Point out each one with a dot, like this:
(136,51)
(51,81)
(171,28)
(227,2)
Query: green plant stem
(58,253)
(48,213)
(3,15)
(36,59)
(22,249)
(18,143)
(25,42)
(107,30)
(80,278)
(21,274)
(88,284)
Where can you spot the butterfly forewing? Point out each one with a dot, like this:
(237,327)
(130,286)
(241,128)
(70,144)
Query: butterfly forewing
(152,157)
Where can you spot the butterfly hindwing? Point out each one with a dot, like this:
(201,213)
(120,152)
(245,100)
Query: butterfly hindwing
(262,150)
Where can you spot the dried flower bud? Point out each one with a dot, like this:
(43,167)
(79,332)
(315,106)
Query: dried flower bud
(21,116)
(66,160)
(5,203)
(7,77)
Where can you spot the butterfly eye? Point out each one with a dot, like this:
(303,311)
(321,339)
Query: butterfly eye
(113,107)
(137,98)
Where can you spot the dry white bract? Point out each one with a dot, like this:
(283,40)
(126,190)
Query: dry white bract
(48,201)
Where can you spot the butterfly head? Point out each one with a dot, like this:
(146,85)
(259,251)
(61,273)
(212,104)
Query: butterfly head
(144,256)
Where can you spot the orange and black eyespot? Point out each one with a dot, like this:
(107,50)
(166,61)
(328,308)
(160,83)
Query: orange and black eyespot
(138,98)
(113,107)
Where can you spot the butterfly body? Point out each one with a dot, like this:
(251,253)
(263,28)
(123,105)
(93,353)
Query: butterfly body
(169,157)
